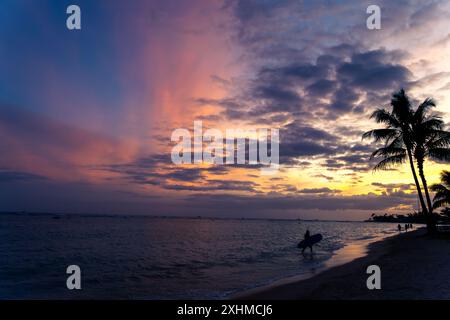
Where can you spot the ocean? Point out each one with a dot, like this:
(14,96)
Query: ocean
(138,257)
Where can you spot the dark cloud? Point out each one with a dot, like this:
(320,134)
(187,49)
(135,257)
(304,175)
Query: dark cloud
(158,170)
(320,175)
(304,141)
(300,72)
(344,100)
(357,162)
(322,87)
(304,149)
(247,10)
(343,80)
(10,176)
(295,132)
(394,188)
(352,79)
(259,204)
(216,185)
(372,75)
(282,96)
(353,159)
(318,190)
(347,75)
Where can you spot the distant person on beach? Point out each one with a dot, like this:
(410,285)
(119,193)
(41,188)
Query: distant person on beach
(406,227)
(399,227)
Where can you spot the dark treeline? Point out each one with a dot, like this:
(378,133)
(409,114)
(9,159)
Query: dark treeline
(415,217)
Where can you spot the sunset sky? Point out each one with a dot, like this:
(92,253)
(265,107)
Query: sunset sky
(86,116)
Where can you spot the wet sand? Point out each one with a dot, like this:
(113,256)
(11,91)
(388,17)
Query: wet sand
(413,266)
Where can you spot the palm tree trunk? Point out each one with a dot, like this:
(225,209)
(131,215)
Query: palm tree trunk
(419,189)
(425,186)
(431,226)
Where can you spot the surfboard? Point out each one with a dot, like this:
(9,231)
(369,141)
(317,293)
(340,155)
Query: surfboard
(312,240)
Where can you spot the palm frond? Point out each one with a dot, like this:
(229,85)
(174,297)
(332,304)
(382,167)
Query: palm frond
(388,152)
(445,177)
(401,106)
(441,154)
(423,108)
(394,148)
(439,139)
(439,188)
(431,124)
(381,134)
(441,203)
(389,162)
(442,196)
(384,116)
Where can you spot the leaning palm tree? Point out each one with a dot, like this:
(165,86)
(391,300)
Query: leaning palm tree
(442,196)
(399,141)
(430,141)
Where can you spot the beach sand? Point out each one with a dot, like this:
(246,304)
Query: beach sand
(413,266)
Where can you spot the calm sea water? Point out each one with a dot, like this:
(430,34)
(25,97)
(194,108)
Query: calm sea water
(127,257)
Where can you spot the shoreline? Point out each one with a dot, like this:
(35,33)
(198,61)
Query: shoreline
(347,254)
(413,266)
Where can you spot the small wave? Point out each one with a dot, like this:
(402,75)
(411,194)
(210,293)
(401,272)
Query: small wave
(367,237)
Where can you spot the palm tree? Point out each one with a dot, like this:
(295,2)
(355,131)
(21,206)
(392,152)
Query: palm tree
(399,140)
(442,196)
(411,135)
(431,141)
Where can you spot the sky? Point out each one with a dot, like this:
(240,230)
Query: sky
(86,116)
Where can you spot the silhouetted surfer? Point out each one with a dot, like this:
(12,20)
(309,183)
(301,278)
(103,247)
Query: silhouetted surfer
(307,234)
(307,238)
(308,241)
